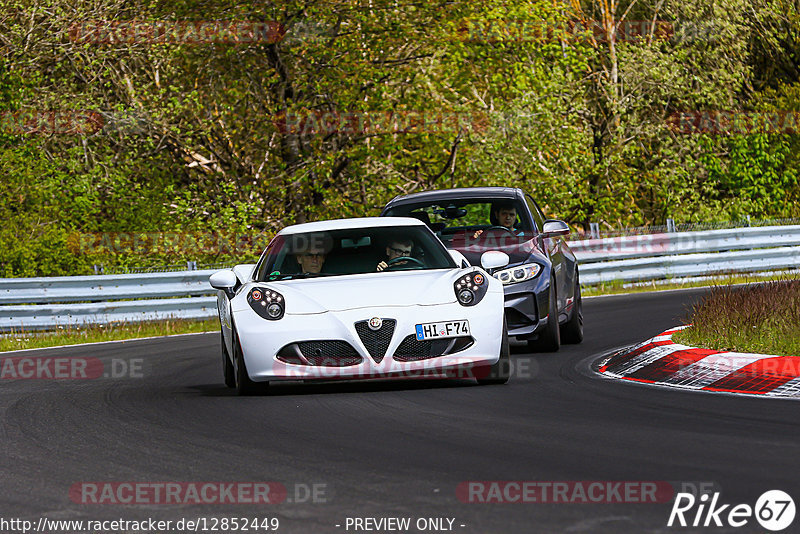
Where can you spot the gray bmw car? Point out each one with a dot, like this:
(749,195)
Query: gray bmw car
(542,289)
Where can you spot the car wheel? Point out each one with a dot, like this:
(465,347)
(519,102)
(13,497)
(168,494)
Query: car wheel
(550,337)
(500,371)
(244,386)
(572,330)
(227,367)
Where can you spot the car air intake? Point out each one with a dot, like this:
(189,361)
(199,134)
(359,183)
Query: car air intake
(332,353)
(411,349)
(376,341)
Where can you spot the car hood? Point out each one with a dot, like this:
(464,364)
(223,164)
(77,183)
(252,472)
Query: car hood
(347,292)
(518,250)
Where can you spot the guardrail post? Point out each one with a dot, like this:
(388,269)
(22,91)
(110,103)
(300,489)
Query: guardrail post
(594,230)
(671,225)
(191,265)
(98,269)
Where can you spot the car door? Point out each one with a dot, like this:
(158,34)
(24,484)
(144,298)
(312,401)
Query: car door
(554,248)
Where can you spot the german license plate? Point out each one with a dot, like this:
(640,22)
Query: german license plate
(442,330)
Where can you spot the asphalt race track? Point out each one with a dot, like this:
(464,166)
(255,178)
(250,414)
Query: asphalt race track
(396,448)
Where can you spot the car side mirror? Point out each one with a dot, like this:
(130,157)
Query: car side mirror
(494,259)
(554,228)
(224,281)
(244,272)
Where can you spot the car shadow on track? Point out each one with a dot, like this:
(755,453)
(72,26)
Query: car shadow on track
(333,387)
(374,385)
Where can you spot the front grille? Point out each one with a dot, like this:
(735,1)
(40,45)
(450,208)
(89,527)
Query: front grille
(329,353)
(411,349)
(376,341)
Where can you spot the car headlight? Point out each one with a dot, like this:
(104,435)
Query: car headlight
(267,303)
(470,288)
(517,274)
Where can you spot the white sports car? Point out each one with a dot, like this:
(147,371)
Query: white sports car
(361,298)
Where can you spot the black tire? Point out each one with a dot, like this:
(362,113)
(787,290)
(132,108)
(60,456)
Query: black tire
(500,371)
(244,386)
(549,339)
(572,330)
(227,367)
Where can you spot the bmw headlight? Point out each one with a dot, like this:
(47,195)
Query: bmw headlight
(470,288)
(517,274)
(267,303)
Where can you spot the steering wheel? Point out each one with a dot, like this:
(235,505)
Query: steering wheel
(391,263)
(509,230)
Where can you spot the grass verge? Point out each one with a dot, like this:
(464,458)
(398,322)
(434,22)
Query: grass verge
(73,335)
(760,318)
(617,287)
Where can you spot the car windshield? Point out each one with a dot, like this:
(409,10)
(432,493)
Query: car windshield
(352,251)
(486,223)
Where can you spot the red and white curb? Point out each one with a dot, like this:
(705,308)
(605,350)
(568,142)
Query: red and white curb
(661,361)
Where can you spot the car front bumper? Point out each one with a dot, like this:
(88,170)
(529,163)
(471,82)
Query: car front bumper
(523,304)
(261,341)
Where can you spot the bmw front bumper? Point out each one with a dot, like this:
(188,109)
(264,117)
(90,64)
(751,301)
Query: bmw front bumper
(524,303)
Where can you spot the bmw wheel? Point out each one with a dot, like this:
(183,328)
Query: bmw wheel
(549,339)
(572,330)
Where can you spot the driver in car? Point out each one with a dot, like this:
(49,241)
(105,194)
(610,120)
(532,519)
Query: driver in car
(398,248)
(503,214)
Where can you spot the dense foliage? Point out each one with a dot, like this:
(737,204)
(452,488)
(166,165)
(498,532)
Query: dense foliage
(348,103)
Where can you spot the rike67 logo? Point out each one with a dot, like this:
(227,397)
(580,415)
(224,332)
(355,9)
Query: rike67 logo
(774,510)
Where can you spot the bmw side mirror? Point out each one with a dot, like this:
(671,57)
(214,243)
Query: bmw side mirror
(494,259)
(224,281)
(554,228)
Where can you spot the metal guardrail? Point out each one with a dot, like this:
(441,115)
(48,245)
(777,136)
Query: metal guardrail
(641,269)
(104,287)
(51,316)
(686,254)
(595,229)
(665,244)
(47,303)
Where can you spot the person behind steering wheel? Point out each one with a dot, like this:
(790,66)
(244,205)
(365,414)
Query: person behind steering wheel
(396,249)
(503,215)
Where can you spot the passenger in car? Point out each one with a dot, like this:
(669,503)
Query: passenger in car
(311,261)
